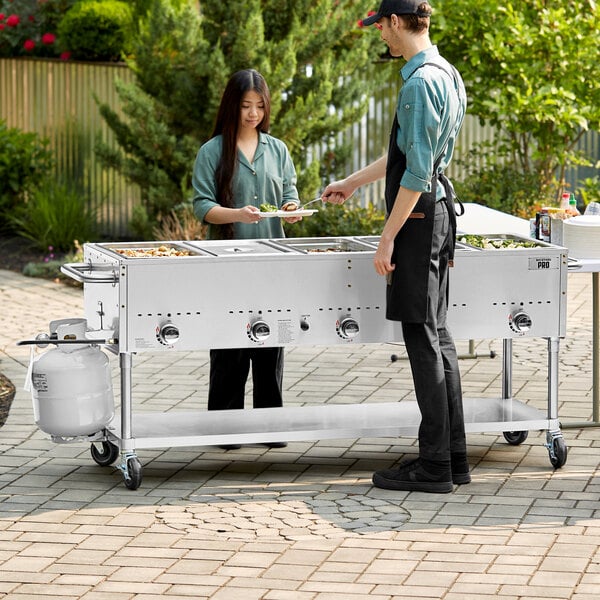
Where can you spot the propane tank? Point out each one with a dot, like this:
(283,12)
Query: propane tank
(71,384)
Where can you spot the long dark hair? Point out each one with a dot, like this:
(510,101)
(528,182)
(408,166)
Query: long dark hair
(227,125)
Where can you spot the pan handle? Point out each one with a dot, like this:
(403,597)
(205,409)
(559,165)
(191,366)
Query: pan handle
(90,272)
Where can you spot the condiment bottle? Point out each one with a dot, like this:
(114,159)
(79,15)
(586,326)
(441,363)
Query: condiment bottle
(573,210)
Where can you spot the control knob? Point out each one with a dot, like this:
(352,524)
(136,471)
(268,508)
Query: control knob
(348,328)
(168,334)
(259,331)
(520,322)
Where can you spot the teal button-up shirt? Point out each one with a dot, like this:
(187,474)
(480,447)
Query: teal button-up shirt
(430,114)
(270,179)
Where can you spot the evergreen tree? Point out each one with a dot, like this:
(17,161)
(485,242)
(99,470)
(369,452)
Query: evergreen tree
(318,63)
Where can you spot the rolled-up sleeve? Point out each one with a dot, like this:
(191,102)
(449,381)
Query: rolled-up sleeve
(203,179)
(290,193)
(417,136)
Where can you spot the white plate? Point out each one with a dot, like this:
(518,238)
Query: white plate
(303,212)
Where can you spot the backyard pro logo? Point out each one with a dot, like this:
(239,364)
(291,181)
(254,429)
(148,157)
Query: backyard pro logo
(543,263)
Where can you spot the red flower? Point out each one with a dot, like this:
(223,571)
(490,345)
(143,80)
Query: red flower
(29,45)
(1,26)
(13,20)
(48,39)
(2,16)
(65,56)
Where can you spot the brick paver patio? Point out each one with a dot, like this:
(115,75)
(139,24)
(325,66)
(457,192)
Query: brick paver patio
(304,522)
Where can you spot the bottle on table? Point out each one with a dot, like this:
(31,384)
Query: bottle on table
(573,210)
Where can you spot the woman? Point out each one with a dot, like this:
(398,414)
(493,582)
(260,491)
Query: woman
(237,170)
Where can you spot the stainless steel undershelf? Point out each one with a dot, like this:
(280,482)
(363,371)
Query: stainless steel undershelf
(389,419)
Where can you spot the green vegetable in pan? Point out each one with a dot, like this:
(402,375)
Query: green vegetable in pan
(480,241)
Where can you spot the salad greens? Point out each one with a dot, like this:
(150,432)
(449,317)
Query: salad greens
(480,241)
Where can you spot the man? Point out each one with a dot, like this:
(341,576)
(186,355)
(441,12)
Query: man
(417,242)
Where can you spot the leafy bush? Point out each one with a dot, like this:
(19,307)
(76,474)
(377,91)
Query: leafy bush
(589,190)
(28,27)
(336,220)
(502,185)
(504,188)
(531,72)
(24,163)
(55,217)
(49,268)
(95,30)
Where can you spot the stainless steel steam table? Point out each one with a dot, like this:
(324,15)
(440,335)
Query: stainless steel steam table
(308,291)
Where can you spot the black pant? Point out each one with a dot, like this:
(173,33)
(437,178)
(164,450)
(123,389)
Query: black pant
(229,370)
(433,358)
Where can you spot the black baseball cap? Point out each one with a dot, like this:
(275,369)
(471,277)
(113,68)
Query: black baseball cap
(397,7)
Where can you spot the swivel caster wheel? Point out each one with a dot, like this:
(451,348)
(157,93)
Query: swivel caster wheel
(107,455)
(514,438)
(132,473)
(558,452)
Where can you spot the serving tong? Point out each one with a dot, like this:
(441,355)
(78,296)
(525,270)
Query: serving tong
(303,206)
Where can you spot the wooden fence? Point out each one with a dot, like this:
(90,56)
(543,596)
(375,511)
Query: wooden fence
(56,100)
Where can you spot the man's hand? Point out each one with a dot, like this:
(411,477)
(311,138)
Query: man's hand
(383,257)
(338,192)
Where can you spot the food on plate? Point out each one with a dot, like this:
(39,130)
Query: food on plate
(152,252)
(264,207)
(290,206)
(480,241)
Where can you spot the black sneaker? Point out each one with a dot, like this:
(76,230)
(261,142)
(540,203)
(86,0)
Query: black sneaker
(412,477)
(460,469)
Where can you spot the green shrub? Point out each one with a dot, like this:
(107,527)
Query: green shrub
(55,217)
(502,185)
(24,163)
(507,189)
(95,30)
(589,190)
(49,268)
(336,220)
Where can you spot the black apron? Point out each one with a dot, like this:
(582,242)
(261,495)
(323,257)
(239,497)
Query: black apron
(407,291)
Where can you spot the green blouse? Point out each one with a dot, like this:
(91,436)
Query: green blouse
(270,179)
